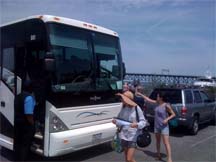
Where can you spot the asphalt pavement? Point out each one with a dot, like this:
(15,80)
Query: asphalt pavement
(185,148)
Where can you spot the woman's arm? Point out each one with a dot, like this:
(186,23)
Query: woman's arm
(170,111)
(114,121)
(146,98)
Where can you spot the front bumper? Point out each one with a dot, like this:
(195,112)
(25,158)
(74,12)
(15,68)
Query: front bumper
(72,140)
(187,122)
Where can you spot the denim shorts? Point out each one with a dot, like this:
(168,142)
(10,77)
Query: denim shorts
(164,130)
(128,144)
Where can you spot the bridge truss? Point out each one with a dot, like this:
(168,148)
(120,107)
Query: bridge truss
(160,79)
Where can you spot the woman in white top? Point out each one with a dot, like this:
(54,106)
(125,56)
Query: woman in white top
(129,133)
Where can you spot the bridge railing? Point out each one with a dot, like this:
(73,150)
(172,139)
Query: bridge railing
(160,79)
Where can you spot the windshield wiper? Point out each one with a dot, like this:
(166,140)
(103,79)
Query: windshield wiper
(106,70)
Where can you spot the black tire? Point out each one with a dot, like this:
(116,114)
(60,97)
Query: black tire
(195,126)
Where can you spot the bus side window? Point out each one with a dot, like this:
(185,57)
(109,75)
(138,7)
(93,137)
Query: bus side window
(8,68)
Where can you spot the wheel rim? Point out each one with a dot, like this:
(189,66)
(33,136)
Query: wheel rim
(195,126)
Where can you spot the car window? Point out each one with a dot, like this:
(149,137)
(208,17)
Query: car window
(197,97)
(188,97)
(173,96)
(204,96)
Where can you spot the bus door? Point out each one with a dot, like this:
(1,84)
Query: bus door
(7,91)
(20,64)
(29,66)
(36,73)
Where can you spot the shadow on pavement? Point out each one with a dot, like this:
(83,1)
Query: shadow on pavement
(154,155)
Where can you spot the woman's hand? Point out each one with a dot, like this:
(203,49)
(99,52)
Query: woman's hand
(134,125)
(165,121)
(114,121)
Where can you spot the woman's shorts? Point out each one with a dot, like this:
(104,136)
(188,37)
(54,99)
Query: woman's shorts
(164,130)
(128,144)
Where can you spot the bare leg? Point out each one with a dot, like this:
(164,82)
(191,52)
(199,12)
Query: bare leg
(130,155)
(168,147)
(158,139)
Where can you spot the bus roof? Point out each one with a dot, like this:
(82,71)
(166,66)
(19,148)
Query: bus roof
(67,21)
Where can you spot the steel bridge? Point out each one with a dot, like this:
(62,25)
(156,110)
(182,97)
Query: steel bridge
(160,79)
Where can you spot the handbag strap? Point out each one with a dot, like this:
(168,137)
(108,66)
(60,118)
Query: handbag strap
(119,129)
(137,115)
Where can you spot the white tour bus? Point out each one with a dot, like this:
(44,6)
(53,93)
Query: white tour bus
(76,69)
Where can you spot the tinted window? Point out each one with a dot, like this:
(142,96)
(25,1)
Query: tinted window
(204,96)
(12,34)
(8,67)
(85,60)
(188,97)
(197,97)
(172,96)
(8,58)
(35,60)
(107,60)
(73,55)
(106,49)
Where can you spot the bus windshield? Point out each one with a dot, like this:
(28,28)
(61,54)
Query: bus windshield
(85,60)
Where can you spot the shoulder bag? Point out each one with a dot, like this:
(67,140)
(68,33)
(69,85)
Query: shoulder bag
(144,139)
(172,122)
(116,142)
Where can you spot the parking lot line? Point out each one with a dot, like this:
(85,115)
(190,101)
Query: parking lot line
(194,145)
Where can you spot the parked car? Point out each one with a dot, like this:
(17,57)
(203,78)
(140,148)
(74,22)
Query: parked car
(191,105)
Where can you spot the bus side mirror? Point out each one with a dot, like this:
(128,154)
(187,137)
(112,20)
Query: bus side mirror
(49,61)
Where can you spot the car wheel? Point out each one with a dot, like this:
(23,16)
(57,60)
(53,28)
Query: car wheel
(195,126)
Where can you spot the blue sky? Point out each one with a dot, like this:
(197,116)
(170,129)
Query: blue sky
(178,35)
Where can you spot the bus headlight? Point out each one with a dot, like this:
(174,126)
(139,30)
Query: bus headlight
(56,124)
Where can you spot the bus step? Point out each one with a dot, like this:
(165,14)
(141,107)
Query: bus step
(36,149)
(38,135)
